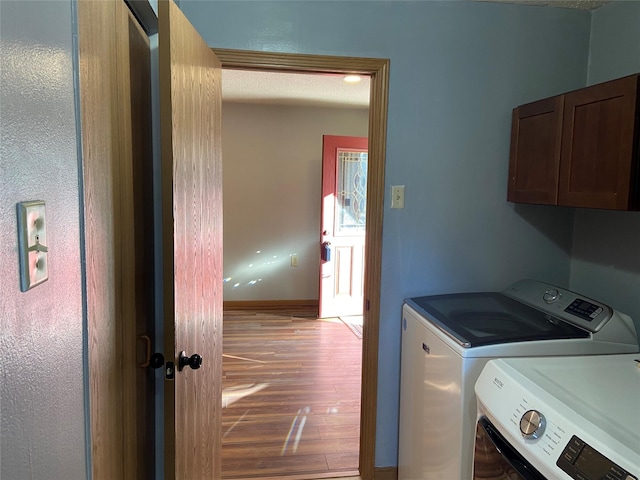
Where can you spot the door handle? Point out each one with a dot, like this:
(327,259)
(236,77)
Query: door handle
(154,361)
(194,361)
(325,251)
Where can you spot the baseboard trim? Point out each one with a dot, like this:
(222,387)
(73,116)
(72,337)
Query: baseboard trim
(380,473)
(271,305)
(347,475)
(385,473)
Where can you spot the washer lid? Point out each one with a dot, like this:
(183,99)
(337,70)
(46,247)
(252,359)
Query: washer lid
(489,318)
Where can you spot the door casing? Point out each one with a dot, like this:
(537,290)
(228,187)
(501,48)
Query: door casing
(378,70)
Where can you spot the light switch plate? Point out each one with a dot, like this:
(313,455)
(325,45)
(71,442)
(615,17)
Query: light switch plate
(397,196)
(32,244)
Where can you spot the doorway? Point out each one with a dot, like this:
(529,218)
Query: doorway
(291,383)
(378,70)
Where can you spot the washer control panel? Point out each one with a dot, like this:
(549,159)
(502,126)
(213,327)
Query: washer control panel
(584,309)
(583,462)
(561,304)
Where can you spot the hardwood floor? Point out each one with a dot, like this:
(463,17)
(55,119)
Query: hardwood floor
(291,396)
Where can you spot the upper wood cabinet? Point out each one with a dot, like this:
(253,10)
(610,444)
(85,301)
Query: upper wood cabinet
(535,152)
(579,149)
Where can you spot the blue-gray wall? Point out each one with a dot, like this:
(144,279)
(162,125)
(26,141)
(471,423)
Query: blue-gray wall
(606,245)
(42,428)
(457,70)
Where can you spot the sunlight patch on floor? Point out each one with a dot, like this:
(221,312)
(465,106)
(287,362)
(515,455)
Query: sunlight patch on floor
(233,394)
(297,427)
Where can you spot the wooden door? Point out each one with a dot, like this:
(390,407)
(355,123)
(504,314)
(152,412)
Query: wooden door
(597,165)
(133,226)
(534,161)
(190,104)
(344,198)
(115,105)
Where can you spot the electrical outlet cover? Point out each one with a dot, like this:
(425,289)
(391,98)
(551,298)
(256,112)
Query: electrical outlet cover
(32,244)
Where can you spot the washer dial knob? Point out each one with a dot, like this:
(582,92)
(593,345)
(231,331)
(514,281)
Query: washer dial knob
(551,295)
(532,424)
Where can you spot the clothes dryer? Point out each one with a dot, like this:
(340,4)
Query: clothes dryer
(448,339)
(559,419)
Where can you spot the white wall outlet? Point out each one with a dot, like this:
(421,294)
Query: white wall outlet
(294,260)
(397,196)
(32,244)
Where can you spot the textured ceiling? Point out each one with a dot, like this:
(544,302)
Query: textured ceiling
(246,86)
(293,89)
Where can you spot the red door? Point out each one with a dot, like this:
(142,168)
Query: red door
(342,241)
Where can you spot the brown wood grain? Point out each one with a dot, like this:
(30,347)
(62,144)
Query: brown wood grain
(386,473)
(299,308)
(291,392)
(378,70)
(190,106)
(373,264)
(133,229)
(115,109)
(124,251)
(99,120)
(600,146)
(534,162)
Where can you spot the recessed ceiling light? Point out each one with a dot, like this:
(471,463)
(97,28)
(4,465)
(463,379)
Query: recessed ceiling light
(352,78)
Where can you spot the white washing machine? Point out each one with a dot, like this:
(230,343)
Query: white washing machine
(559,419)
(447,340)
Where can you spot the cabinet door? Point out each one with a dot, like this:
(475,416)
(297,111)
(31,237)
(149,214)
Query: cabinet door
(597,161)
(535,152)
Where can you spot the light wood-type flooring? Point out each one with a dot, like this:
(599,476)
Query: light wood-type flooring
(291,396)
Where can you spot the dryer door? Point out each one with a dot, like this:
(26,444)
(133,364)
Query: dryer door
(495,459)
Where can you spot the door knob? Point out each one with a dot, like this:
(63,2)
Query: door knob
(194,361)
(156,360)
